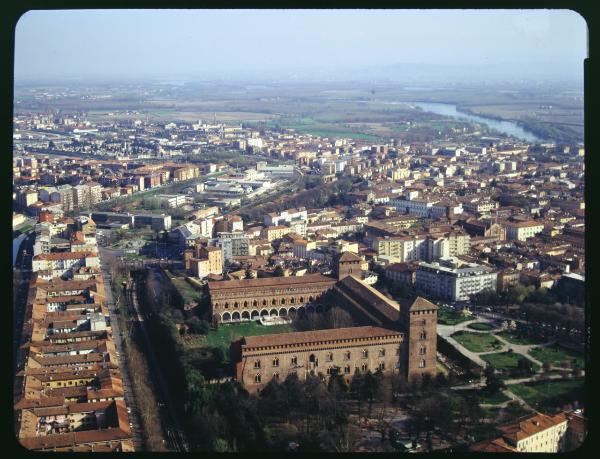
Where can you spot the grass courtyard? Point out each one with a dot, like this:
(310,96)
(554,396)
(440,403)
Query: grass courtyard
(481,326)
(542,393)
(477,342)
(556,355)
(517,338)
(226,333)
(506,360)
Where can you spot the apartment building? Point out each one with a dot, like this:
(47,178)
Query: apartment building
(233,244)
(449,279)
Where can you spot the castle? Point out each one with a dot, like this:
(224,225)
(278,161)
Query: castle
(389,336)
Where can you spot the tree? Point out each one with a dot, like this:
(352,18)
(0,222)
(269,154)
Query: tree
(370,388)
(493,384)
(525,365)
(197,326)
(547,366)
(336,317)
(220,445)
(441,380)
(356,388)
(278,272)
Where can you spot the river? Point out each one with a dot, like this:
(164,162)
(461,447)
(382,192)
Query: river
(507,127)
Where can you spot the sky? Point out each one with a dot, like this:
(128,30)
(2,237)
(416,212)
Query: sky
(234,44)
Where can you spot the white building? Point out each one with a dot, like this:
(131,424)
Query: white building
(448,279)
(521,231)
(285,216)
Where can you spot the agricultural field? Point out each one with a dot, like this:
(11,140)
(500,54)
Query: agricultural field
(477,342)
(556,355)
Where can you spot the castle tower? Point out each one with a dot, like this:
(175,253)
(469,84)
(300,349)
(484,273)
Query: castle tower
(419,321)
(348,264)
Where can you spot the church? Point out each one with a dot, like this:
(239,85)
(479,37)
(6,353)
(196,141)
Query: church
(389,336)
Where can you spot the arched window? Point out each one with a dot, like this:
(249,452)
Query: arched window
(216,305)
(347,355)
(381,352)
(347,369)
(276,376)
(293,300)
(235,305)
(422,350)
(422,363)
(301,299)
(283,301)
(310,298)
(274,301)
(382,366)
(329,357)
(226,305)
(276,362)
(245,304)
(257,364)
(255,303)
(365,353)
(264,302)
(257,378)
(294,361)
(423,335)
(364,367)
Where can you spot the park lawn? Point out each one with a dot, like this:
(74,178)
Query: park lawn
(506,360)
(556,355)
(481,326)
(495,399)
(538,393)
(516,338)
(450,317)
(227,333)
(477,342)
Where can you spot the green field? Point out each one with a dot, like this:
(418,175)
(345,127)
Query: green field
(449,317)
(481,326)
(556,355)
(227,333)
(516,338)
(477,342)
(543,392)
(495,399)
(506,360)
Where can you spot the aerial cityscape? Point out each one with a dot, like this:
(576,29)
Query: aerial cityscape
(286,237)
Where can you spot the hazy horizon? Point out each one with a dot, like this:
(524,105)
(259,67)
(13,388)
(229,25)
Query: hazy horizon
(309,45)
